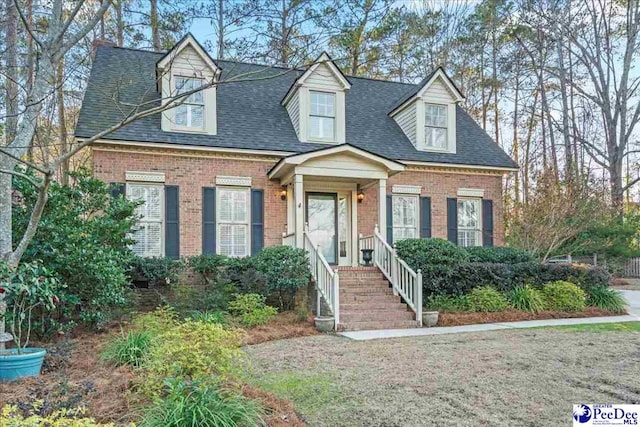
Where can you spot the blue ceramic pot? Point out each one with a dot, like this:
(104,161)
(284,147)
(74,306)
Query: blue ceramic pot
(14,365)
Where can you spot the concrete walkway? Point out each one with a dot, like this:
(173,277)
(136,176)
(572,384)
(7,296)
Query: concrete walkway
(418,332)
(633,299)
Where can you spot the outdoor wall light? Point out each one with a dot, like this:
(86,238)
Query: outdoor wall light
(360,196)
(283,193)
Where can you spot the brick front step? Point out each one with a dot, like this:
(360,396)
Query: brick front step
(375,315)
(363,299)
(366,291)
(363,282)
(361,326)
(375,305)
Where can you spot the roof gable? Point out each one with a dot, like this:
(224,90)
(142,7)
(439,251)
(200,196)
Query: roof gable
(437,75)
(188,41)
(323,62)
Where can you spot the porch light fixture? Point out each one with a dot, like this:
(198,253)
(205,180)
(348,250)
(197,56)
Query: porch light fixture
(283,193)
(360,195)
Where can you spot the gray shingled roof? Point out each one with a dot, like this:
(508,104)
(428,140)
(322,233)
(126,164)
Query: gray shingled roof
(250,115)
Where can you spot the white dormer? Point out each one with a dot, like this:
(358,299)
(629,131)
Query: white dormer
(184,68)
(428,115)
(316,103)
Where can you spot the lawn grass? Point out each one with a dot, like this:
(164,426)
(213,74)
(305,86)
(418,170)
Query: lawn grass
(601,327)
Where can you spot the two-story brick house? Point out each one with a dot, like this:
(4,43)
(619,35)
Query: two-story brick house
(271,155)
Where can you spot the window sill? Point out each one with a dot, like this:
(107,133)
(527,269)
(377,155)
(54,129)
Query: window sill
(190,130)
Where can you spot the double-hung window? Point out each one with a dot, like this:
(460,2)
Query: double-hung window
(405,217)
(189,114)
(149,230)
(436,126)
(469,222)
(233,221)
(322,115)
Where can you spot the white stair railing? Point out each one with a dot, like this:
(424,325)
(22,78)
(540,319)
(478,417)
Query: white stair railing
(327,280)
(404,281)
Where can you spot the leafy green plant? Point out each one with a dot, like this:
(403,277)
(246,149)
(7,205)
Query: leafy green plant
(251,310)
(155,270)
(83,238)
(244,275)
(193,350)
(526,298)
(219,317)
(157,321)
(563,296)
(449,303)
(188,404)
(498,254)
(286,270)
(12,416)
(186,299)
(30,290)
(208,266)
(606,299)
(487,299)
(432,256)
(129,348)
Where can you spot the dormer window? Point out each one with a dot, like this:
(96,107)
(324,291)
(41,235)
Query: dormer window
(436,126)
(322,115)
(190,114)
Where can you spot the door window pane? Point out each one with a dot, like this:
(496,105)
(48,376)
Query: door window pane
(321,217)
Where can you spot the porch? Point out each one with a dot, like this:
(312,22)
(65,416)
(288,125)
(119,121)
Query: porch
(323,190)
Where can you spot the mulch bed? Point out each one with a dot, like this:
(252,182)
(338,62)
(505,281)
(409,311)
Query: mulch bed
(285,325)
(458,319)
(280,412)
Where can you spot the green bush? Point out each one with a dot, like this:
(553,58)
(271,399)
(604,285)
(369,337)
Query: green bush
(219,317)
(128,349)
(188,404)
(208,266)
(498,254)
(193,350)
(244,275)
(157,321)
(526,298)
(606,299)
(432,256)
(155,270)
(563,296)
(449,303)
(84,238)
(487,299)
(285,270)
(186,299)
(251,310)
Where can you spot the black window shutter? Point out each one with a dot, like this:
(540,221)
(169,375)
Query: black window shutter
(172,221)
(208,220)
(389,220)
(116,189)
(425,217)
(487,223)
(452,220)
(257,220)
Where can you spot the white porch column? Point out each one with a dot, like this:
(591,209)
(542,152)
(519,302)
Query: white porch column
(298,193)
(382,207)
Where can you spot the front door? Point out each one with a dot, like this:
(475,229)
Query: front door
(322,210)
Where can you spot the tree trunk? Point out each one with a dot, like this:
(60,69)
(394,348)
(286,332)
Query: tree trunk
(64,165)
(220,29)
(11,71)
(155,32)
(119,23)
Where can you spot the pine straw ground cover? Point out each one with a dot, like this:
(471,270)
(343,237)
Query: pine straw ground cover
(472,318)
(74,375)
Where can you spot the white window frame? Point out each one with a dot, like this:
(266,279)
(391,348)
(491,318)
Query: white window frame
(219,222)
(142,220)
(416,228)
(464,241)
(428,145)
(189,103)
(331,138)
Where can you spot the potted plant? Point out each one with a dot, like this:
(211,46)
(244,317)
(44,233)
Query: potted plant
(27,290)
(429,316)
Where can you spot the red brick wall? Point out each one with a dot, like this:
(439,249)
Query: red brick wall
(191,173)
(438,185)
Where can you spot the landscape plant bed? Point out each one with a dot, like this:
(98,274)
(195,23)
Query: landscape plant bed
(284,325)
(472,318)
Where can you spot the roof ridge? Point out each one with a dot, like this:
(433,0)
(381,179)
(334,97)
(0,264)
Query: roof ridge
(136,49)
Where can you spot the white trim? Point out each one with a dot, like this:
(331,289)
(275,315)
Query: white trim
(322,59)
(162,210)
(236,181)
(416,212)
(439,74)
(189,40)
(459,166)
(477,193)
(480,225)
(144,176)
(406,189)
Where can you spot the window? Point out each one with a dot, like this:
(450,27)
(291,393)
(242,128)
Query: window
(469,226)
(436,126)
(190,114)
(149,230)
(233,221)
(322,115)
(405,217)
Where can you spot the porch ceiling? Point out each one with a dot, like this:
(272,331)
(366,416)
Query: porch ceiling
(342,162)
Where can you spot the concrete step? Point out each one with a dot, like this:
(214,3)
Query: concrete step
(367,306)
(375,315)
(361,326)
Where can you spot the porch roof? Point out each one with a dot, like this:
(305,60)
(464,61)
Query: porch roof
(338,161)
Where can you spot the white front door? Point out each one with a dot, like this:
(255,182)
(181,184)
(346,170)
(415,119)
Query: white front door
(344,228)
(328,215)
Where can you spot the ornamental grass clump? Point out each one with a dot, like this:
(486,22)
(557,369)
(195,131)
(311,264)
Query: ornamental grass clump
(563,296)
(129,348)
(526,298)
(606,299)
